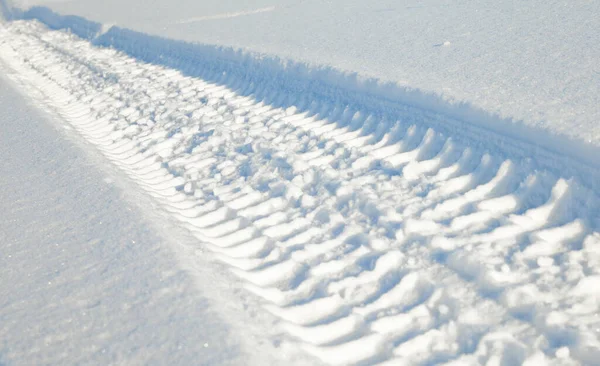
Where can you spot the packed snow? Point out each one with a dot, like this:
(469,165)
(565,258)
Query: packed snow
(365,224)
(535,63)
(88,273)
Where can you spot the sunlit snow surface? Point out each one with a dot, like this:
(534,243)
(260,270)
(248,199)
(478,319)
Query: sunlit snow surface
(535,61)
(92,273)
(370,237)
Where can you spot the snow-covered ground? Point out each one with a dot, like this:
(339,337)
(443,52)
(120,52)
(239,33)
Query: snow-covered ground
(536,62)
(371,224)
(90,274)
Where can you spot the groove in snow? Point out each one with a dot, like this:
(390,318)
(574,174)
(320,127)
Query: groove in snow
(373,240)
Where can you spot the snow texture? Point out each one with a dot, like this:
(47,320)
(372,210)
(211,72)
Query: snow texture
(375,233)
(88,275)
(528,70)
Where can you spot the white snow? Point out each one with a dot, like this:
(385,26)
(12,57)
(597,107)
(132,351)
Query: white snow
(89,275)
(534,62)
(372,225)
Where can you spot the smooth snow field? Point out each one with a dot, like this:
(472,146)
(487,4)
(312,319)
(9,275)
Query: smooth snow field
(183,203)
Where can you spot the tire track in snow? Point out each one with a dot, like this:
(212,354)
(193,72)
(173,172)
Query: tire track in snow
(372,240)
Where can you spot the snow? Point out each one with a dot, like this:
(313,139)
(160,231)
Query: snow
(357,222)
(534,63)
(475,257)
(88,277)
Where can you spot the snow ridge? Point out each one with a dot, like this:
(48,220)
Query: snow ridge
(374,240)
(233,67)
